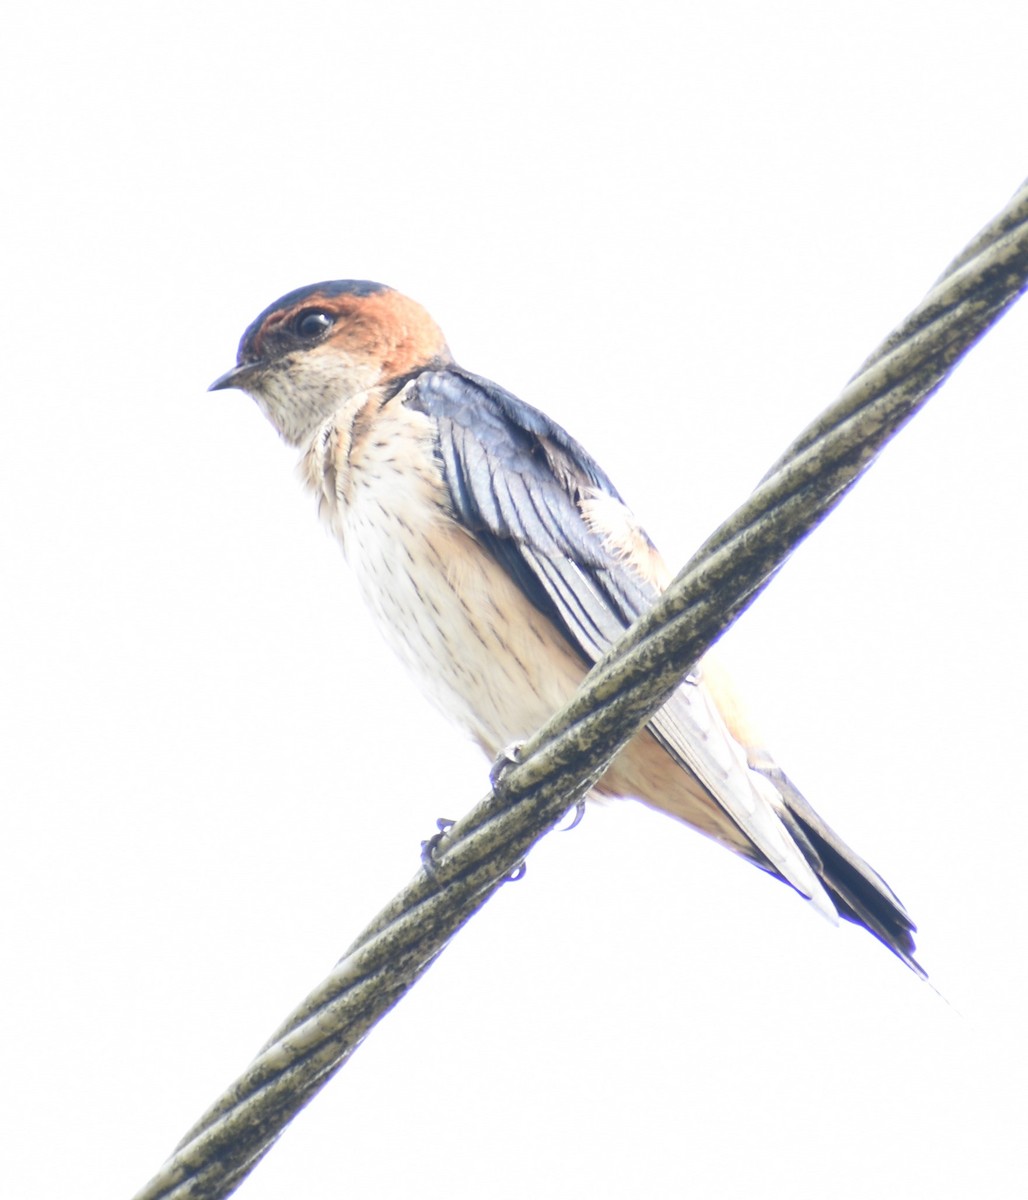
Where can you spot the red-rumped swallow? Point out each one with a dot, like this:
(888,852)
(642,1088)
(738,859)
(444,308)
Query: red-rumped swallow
(501,563)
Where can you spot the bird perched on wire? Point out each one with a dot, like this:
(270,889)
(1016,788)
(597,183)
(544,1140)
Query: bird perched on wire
(500,563)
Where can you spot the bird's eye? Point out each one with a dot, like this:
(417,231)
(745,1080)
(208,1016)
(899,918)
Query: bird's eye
(311,324)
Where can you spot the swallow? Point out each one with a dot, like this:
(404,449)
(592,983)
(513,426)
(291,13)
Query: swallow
(500,563)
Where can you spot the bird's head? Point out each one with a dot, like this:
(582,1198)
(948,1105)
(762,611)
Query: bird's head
(317,348)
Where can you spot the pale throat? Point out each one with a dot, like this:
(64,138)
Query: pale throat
(302,392)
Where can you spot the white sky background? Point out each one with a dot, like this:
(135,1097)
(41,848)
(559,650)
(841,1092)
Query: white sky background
(679,228)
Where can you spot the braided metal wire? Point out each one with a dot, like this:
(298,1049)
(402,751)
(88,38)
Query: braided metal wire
(557,766)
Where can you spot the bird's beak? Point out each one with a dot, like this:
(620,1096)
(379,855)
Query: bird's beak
(237,377)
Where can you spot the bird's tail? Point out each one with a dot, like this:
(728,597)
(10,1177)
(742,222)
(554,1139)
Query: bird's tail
(858,892)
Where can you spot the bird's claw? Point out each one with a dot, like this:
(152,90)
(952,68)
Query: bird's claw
(577,818)
(431,845)
(508,757)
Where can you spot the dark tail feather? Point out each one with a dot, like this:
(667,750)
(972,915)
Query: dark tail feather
(859,893)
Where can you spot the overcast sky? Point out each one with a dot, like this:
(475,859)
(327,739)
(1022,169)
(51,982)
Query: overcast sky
(678,228)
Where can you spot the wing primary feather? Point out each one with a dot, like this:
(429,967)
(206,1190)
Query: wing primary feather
(861,894)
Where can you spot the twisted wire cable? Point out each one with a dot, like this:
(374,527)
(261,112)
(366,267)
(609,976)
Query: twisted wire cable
(556,767)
